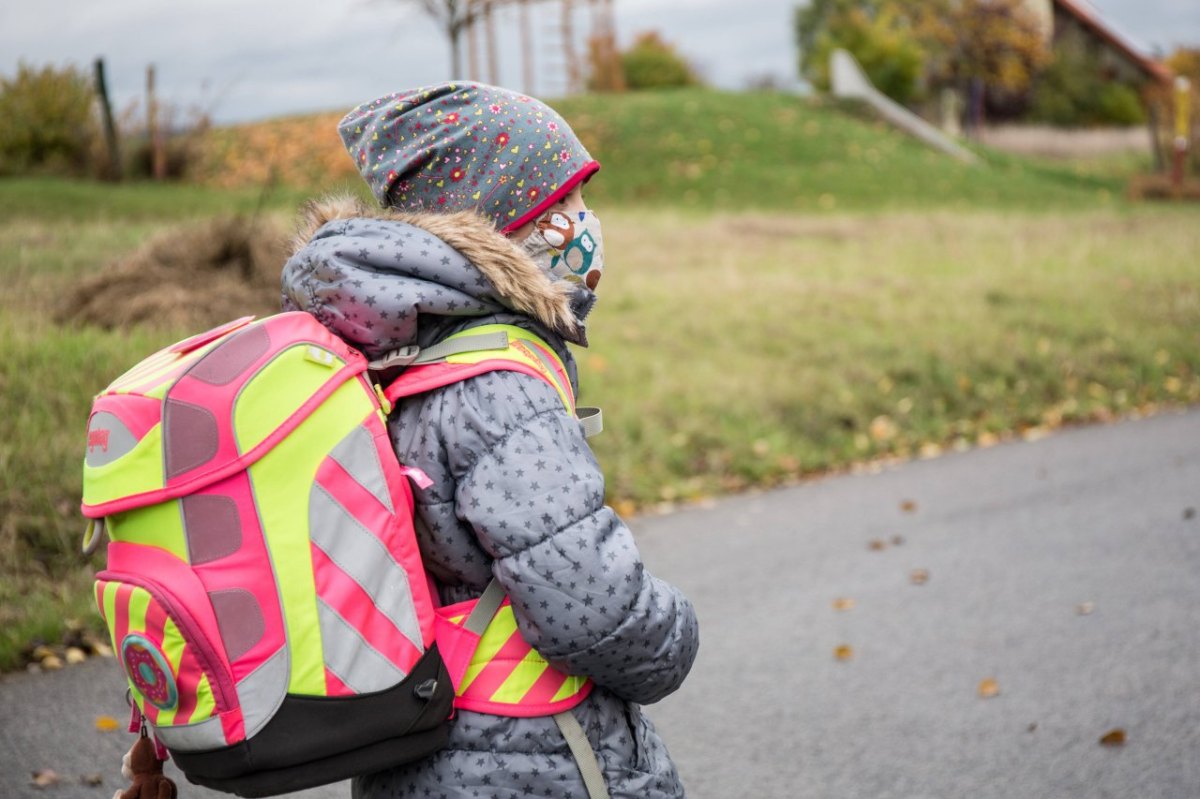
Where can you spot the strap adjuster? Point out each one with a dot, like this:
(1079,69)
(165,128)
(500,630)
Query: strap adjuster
(455,345)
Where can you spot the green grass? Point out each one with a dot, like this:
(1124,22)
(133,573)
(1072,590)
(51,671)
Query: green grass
(125,203)
(707,150)
(739,351)
(791,289)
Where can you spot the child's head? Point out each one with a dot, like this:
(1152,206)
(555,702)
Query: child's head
(467,146)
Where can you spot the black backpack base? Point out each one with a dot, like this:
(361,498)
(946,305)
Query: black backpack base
(399,725)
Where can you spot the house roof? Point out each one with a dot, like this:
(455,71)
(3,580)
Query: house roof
(1154,70)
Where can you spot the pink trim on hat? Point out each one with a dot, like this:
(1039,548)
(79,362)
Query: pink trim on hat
(589,169)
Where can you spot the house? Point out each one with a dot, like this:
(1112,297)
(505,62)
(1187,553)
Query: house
(1118,60)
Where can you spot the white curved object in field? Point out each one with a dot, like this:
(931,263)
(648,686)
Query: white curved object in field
(850,81)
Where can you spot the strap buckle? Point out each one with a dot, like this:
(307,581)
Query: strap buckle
(404,356)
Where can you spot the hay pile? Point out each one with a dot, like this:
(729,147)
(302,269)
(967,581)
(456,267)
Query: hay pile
(188,278)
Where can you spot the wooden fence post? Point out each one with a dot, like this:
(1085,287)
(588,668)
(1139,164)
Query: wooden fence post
(527,66)
(158,150)
(110,128)
(489,25)
(473,70)
(569,54)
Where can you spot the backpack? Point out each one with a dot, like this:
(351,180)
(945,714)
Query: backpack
(264,590)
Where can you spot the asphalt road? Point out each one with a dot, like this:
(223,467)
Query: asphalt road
(1014,539)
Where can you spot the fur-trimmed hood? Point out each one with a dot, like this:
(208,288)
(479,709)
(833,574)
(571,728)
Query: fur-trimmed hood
(383,279)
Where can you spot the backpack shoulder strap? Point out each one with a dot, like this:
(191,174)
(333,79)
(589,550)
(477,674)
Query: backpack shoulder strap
(488,348)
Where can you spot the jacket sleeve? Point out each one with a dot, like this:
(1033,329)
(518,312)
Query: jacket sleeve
(528,486)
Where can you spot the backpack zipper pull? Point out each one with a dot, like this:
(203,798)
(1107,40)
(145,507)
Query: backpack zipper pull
(384,403)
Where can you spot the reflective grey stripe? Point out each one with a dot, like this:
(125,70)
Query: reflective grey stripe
(365,559)
(456,345)
(351,658)
(592,420)
(585,756)
(198,737)
(261,692)
(108,439)
(357,455)
(485,608)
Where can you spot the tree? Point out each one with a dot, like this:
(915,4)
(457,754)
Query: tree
(906,45)
(47,121)
(998,43)
(453,17)
(1185,61)
(604,70)
(876,32)
(652,63)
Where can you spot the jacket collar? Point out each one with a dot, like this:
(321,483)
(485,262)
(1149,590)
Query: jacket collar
(518,283)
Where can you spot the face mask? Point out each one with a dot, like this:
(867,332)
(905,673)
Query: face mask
(568,245)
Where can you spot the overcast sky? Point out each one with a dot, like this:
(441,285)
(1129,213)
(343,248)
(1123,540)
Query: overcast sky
(245,59)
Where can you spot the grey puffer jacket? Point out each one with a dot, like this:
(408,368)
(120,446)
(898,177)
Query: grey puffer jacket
(516,495)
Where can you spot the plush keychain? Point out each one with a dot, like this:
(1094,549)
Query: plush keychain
(141,764)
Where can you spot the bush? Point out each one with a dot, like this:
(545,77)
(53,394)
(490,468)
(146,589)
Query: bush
(876,33)
(1120,105)
(182,134)
(1071,92)
(651,63)
(47,121)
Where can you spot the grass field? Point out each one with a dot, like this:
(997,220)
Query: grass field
(707,150)
(731,349)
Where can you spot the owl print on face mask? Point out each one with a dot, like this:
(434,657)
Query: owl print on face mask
(569,244)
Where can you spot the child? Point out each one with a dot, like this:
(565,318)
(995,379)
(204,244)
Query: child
(484,223)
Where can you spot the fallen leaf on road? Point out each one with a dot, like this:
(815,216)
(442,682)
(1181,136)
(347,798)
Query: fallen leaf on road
(882,428)
(908,506)
(876,544)
(843,653)
(988,688)
(1189,514)
(92,779)
(919,576)
(107,724)
(928,451)
(45,778)
(1032,727)
(1085,608)
(843,603)
(1113,738)
(897,540)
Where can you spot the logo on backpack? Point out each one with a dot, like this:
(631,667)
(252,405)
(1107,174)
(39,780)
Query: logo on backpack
(98,438)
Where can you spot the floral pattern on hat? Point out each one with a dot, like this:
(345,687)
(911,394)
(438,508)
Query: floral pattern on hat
(460,146)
